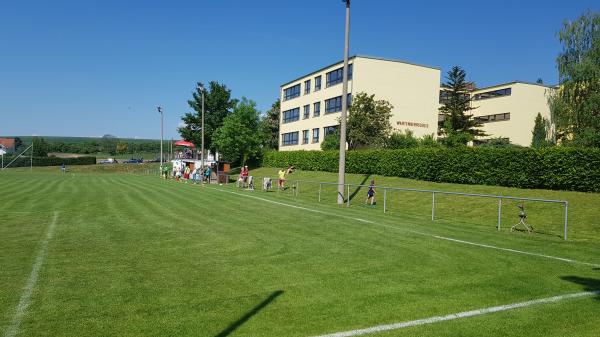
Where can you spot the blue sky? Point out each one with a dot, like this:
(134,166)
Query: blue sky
(88,68)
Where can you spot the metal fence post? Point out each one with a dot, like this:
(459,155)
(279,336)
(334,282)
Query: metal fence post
(566,218)
(384,199)
(348,200)
(320,192)
(499,212)
(433,206)
(297,188)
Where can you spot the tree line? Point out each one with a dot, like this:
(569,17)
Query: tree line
(107,144)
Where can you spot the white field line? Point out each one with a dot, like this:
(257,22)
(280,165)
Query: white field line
(464,314)
(516,251)
(293,206)
(416,232)
(13,329)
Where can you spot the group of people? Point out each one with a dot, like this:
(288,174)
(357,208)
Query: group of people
(245,180)
(182,172)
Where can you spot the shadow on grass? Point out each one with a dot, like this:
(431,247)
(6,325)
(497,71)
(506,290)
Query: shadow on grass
(358,188)
(235,325)
(589,284)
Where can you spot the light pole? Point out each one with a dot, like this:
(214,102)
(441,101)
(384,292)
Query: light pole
(342,164)
(201,89)
(160,111)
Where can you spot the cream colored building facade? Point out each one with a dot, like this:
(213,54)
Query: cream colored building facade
(311,104)
(508,110)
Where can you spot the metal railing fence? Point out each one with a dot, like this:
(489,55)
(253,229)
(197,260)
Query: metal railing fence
(295,191)
(385,189)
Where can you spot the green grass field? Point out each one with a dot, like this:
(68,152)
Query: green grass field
(100,253)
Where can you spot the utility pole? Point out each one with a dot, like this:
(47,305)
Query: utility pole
(160,111)
(343,118)
(201,89)
(31,157)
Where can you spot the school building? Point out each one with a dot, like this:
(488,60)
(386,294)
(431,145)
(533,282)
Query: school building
(311,104)
(508,110)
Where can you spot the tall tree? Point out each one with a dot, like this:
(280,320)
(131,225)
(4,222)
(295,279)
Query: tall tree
(575,106)
(109,144)
(238,140)
(368,121)
(459,124)
(539,133)
(270,126)
(218,104)
(40,147)
(18,144)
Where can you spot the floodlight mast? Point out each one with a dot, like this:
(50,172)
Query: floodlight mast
(343,118)
(201,89)
(160,111)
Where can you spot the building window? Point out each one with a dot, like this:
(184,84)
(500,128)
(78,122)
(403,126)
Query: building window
(307,87)
(337,76)
(329,130)
(315,135)
(306,112)
(290,138)
(493,118)
(291,115)
(291,92)
(317,109)
(493,94)
(335,104)
(317,83)
(304,136)
(445,96)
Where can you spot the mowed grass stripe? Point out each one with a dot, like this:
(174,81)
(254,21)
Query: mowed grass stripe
(22,197)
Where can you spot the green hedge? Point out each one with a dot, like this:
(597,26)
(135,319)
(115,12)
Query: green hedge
(549,168)
(51,161)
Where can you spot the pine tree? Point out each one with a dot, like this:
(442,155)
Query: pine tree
(457,105)
(539,132)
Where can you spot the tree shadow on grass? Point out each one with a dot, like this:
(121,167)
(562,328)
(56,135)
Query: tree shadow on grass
(589,284)
(235,325)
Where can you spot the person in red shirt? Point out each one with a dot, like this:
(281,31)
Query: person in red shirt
(244,174)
